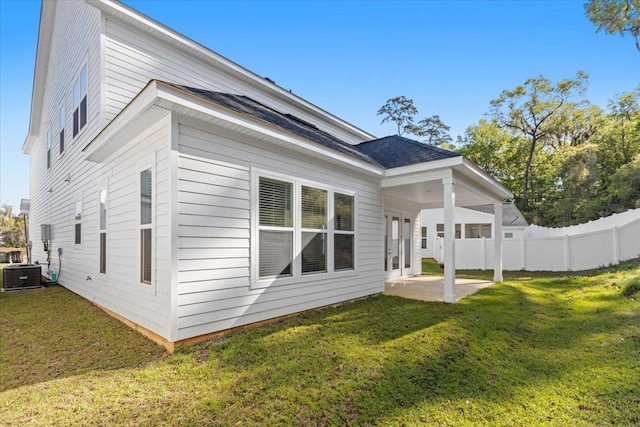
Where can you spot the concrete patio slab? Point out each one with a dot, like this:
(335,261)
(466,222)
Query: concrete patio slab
(431,288)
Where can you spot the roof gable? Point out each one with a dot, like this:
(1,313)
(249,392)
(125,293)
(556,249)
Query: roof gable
(396,151)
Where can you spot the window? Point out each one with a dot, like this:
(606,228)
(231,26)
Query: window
(296,236)
(146,222)
(424,238)
(477,231)
(80,101)
(48,148)
(275,200)
(78,223)
(344,232)
(103,231)
(406,234)
(62,129)
(313,216)
(440,230)
(508,235)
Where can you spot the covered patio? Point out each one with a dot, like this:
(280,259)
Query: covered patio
(431,288)
(446,181)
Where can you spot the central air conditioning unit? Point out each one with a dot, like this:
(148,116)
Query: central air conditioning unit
(22,276)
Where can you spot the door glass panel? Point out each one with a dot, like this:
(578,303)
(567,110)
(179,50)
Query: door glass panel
(407,243)
(385,228)
(395,243)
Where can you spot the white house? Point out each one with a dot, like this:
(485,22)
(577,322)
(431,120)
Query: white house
(186,195)
(472,222)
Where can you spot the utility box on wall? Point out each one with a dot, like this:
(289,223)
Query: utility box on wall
(45,231)
(21,277)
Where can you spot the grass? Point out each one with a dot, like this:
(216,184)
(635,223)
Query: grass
(537,349)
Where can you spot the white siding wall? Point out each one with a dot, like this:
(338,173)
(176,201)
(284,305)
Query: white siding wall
(214,291)
(132,59)
(76,40)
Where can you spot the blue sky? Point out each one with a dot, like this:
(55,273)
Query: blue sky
(451,58)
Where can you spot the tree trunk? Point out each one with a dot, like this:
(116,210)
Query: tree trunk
(527,170)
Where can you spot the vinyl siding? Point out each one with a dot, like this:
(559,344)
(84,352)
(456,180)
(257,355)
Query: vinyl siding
(214,281)
(133,58)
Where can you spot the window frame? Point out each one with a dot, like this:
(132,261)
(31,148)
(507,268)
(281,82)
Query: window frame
(424,237)
(103,231)
(48,142)
(343,232)
(143,166)
(481,226)
(78,98)
(258,282)
(62,121)
(440,230)
(77,222)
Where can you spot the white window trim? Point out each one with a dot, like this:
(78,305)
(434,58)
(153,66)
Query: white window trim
(77,76)
(146,163)
(62,120)
(103,187)
(297,276)
(78,198)
(48,162)
(424,239)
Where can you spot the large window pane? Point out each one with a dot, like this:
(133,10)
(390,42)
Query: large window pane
(314,253)
(406,234)
(275,203)
(103,253)
(145,255)
(343,253)
(103,209)
(276,253)
(145,196)
(314,208)
(343,212)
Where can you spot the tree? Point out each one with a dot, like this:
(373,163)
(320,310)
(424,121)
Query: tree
(528,110)
(497,151)
(12,228)
(615,17)
(401,111)
(618,135)
(434,129)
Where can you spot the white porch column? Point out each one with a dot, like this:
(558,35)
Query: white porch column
(497,242)
(449,240)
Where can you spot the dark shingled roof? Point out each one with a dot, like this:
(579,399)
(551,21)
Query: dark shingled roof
(511,216)
(245,105)
(395,151)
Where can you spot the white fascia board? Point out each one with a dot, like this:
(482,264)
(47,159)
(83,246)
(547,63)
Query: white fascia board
(424,167)
(415,178)
(187,100)
(482,182)
(189,47)
(43,51)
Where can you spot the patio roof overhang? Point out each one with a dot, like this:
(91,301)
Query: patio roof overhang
(422,184)
(445,184)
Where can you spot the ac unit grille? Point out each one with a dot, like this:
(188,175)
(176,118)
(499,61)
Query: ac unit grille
(21,277)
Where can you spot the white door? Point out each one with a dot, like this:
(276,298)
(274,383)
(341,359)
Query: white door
(397,230)
(392,248)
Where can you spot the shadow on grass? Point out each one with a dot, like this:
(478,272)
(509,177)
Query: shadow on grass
(367,362)
(51,333)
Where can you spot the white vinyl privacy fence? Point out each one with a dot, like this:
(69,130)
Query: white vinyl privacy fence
(600,243)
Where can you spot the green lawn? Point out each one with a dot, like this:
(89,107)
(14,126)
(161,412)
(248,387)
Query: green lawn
(535,350)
